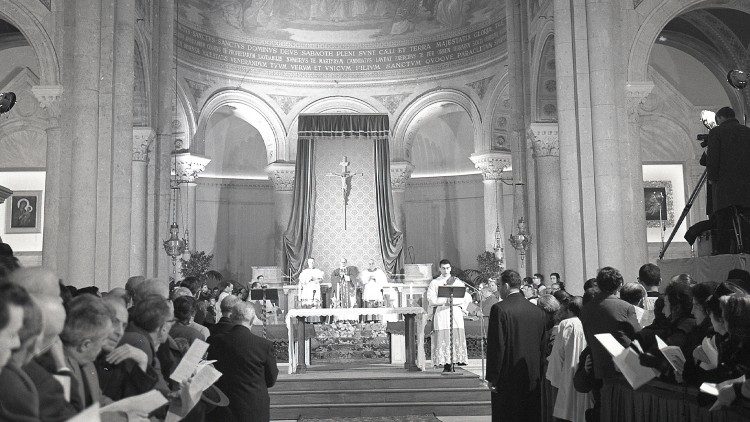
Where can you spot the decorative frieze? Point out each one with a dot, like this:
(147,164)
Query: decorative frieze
(400,174)
(636,94)
(492,164)
(48,96)
(544,140)
(142,138)
(282,176)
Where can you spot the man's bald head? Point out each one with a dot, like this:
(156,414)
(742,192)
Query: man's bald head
(152,286)
(242,313)
(227,304)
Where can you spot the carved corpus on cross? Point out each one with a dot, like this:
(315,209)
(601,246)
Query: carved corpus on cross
(346,182)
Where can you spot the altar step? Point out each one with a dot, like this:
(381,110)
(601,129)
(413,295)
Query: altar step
(378,393)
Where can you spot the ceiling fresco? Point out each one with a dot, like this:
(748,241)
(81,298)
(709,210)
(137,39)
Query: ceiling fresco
(341,37)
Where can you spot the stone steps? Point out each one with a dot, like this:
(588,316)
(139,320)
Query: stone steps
(372,394)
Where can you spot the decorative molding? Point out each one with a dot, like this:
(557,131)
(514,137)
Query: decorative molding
(636,3)
(47,4)
(196,88)
(544,140)
(286,102)
(636,94)
(142,138)
(392,101)
(48,97)
(492,164)
(5,193)
(282,175)
(187,166)
(480,86)
(400,174)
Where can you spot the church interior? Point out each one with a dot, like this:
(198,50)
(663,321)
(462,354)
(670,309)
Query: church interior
(555,136)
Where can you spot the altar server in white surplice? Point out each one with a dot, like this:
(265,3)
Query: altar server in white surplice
(440,311)
(309,282)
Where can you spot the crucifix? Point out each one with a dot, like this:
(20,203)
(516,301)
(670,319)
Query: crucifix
(346,182)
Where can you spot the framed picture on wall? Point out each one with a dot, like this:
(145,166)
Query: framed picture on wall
(23,213)
(658,203)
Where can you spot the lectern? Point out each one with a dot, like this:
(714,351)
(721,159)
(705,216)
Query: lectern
(450,292)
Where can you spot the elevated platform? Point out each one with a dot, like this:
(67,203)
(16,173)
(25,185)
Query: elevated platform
(377,391)
(703,268)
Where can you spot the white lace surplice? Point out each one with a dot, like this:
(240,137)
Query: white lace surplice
(563,360)
(441,324)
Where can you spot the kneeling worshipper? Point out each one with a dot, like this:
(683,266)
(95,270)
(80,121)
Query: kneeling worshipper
(440,312)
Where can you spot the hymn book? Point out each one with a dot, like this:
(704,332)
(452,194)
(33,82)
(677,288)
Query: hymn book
(673,354)
(626,360)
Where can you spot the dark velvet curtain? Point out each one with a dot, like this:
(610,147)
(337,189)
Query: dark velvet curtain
(297,239)
(391,240)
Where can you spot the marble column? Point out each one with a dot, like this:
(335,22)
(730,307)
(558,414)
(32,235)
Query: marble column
(122,142)
(142,138)
(604,124)
(400,174)
(83,111)
(492,165)
(281,175)
(188,168)
(159,264)
(546,152)
(636,251)
(52,244)
(516,118)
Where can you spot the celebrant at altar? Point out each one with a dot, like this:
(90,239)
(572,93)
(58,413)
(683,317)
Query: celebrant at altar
(373,281)
(309,285)
(344,286)
(440,312)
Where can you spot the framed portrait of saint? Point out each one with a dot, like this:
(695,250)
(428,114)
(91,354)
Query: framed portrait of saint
(23,213)
(658,202)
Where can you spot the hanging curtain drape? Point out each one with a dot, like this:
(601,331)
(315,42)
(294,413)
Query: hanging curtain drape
(297,239)
(391,240)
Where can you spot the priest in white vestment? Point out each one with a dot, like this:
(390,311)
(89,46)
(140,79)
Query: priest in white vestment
(374,281)
(309,285)
(440,312)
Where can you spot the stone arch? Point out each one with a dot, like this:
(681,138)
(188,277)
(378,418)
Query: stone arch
(661,12)
(255,111)
(141,67)
(184,123)
(499,111)
(406,123)
(545,38)
(18,13)
(544,86)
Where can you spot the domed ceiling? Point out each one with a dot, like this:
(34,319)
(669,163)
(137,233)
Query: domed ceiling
(364,39)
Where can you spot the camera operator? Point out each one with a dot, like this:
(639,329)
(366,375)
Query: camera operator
(728,166)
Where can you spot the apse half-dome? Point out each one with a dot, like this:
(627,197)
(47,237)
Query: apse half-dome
(361,39)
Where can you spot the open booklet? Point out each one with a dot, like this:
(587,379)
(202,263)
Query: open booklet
(198,373)
(626,360)
(674,355)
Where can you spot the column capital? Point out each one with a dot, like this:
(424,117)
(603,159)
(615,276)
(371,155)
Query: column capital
(544,140)
(492,164)
(142,138)
(188,166)
(400,174)
(48,97)
(282,175)
(636,94)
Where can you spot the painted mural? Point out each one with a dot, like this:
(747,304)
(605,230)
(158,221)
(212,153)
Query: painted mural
(335,21)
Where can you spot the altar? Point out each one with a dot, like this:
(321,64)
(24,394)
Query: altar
(414,332)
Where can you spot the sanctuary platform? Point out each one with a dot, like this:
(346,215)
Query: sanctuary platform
(377,390)
(703,268)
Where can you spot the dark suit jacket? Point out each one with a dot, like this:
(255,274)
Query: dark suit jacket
(221,327)
(124,379)
(19,400)
(727,155)
(607,314)
(516,344)
(248,368)
(53,406)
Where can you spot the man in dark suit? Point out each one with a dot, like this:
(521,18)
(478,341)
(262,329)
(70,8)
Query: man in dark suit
(248,368)
(606,313)
(224,324)
(727,161)
(516,343)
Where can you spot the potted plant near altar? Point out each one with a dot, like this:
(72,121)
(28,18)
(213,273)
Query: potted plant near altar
(198,264)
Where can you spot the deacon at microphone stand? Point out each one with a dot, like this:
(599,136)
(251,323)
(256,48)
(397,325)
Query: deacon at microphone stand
(447,343)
